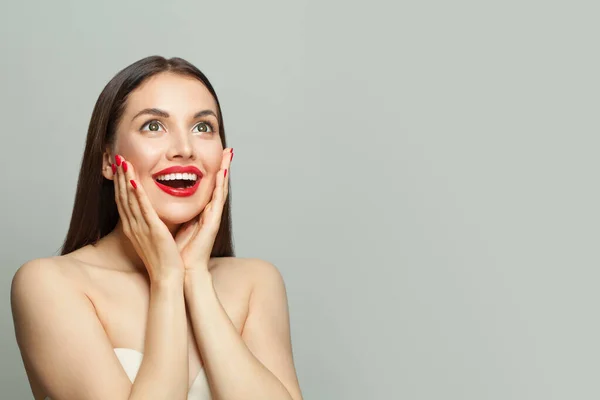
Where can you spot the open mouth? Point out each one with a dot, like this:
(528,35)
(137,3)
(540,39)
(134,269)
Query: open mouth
(178,180)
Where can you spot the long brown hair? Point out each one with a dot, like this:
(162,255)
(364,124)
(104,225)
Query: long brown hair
(95,211)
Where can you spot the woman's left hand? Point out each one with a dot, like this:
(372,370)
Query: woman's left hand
(195,238)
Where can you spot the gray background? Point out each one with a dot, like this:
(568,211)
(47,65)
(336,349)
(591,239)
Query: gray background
(424,175)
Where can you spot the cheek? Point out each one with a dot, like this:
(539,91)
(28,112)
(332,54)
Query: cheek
(139,154)
(211,158)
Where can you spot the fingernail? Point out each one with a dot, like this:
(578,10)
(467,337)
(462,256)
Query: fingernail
(133,184)
(124,166)
(118,159)
(224,176)
(114,168)
(231,157)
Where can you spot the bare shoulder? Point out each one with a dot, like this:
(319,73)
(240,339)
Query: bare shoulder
(38,288)
(58,332)
(36,275)
(42,275)
(38,285)
(251,271)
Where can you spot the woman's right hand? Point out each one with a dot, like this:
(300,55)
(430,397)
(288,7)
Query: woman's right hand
(149,235)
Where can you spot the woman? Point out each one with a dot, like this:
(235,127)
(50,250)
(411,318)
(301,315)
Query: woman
(146,300)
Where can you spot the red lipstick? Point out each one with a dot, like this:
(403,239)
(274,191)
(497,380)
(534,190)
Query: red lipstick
(179,192)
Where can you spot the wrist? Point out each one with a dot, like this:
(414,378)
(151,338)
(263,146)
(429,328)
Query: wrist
(197,276)
(173,279)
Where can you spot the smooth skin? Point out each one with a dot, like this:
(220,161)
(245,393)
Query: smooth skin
(150,285)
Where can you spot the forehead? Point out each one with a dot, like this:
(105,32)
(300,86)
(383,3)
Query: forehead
(177,94)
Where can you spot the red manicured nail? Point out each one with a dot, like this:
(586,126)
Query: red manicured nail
(133,184)
(224,176)
(124,166)
(114,168)
(231,156)
(118,160)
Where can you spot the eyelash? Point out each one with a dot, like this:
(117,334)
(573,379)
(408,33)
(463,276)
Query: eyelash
(212,128)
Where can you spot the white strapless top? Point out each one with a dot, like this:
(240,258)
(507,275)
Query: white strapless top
(132,359)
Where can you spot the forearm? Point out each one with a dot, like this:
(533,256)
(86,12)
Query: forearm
(163,373)
(233,371)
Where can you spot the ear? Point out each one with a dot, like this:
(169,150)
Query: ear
(107,165)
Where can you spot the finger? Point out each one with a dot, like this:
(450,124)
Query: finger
(145,212)
(120,208)
(122,191)
(225,169)
(226,158)
(121,196)
(226,182)
(220,186)
(185,233)
(217,194)
(132,186)
(225,189)
(210,217)
(215,207)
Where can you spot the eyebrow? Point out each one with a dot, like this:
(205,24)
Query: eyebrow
(161,113)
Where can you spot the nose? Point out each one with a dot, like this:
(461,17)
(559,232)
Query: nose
(180,147)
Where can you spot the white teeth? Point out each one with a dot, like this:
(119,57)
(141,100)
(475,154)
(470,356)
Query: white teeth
(171,177)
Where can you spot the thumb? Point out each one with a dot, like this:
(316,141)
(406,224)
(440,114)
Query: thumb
(185,233)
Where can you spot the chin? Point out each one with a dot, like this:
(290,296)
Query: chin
(176,214)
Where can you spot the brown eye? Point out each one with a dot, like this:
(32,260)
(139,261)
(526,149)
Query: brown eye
(203,127)
(152,126)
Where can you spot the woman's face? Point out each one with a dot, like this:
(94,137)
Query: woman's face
(171,121)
